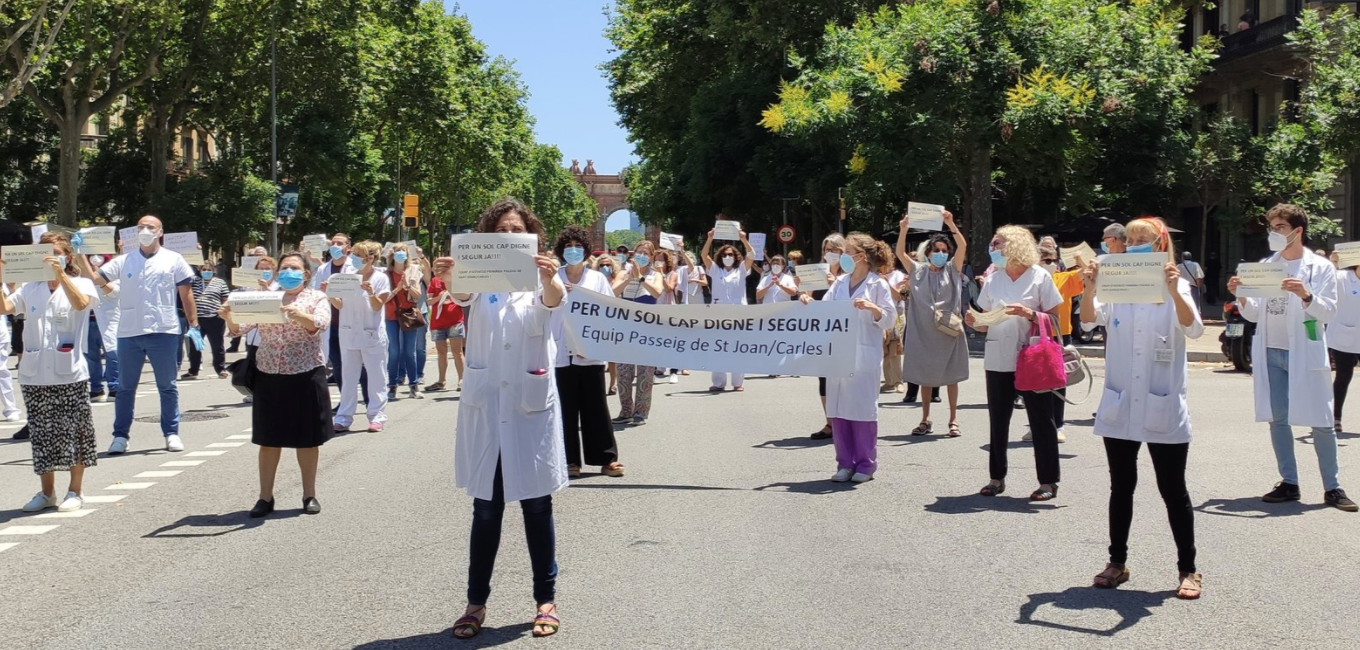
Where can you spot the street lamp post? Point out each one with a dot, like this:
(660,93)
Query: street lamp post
(274,127)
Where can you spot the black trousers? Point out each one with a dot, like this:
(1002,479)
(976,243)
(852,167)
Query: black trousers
(485,543)
(214,330)
(1168,461)
(1345,369)
(1039,408)
(585,415)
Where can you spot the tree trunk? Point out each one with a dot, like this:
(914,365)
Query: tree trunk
(1203,233)
(68,167)
(158,144)
(978,205)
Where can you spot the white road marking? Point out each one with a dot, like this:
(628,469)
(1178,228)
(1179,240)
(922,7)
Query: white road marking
(247,430)
(105,498)
(243,436)
(206,453)
(74,514)
(158,474)
(130,486)
(183,463)
(229,445)
(7,546)
(28,530)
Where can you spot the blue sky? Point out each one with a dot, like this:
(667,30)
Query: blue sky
(557,47)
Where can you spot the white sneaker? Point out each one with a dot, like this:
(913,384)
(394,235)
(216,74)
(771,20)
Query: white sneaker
(861,477)
(40,502)
(13,417)
(675,379)
(1028,437)
(1062,437)
(842,475)
(73,501)
(173,443)
(119,446)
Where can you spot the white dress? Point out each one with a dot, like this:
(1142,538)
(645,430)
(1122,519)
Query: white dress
(856,397)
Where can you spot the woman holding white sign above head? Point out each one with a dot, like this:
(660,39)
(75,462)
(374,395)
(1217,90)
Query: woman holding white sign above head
(639,282)
(1026,292)
(937,349)
(292,406)
(580,381)
(53,375)
(1145,402)
(727,278)
(363,339)
(852,402)
(509,440)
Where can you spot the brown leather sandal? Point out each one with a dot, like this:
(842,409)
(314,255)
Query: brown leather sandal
(1112,577)
(1192,586)
(469,624)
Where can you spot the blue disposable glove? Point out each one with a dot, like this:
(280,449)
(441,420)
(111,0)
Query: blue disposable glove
(77,241)
(196,337)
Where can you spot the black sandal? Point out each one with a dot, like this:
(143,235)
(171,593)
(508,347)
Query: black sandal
(922,429)
(824,434)
(470,622)
(990,490)
(1044,495)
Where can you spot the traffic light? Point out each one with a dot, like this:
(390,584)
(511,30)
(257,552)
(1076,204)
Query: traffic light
(411,211)
(410,223)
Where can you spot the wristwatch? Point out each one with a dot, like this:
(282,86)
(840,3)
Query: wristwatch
(1308,299)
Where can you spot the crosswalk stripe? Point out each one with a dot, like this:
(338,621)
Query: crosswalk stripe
(130,486)
(183,463)
(243,436)
(230,445)
(205,453)
(28,530)
(158,474)
(74,514)
(7,546)
(105,498)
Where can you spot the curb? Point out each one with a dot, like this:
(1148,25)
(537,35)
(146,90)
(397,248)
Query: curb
(1192,356)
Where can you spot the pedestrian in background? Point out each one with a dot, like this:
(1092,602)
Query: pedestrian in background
(609,266)
(402,337)
(53,375)
(1069,284)
(9,407)
(1343,336)
(934,331)
(101,353)
(210,292)
(447,331)
(639,282)
(340,262)
(1026,291)
(832,247)
(1191,271)
(509,443)
(363,339)
(1144,401)
(727,278)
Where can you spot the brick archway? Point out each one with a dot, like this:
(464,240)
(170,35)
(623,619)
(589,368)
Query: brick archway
(610,195)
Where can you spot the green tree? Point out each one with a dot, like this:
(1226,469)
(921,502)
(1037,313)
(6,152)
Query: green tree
(549,189)
(1224,160)
(28,173)
(224,203)
(617,238)
(30,31)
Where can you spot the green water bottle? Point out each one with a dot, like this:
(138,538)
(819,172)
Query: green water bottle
(1310,326)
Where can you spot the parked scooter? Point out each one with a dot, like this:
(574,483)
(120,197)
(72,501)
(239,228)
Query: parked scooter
(1236,337)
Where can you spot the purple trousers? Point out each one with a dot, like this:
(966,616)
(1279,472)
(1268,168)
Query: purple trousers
(856,445)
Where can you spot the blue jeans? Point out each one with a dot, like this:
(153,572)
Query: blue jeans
(133,352)
(401,355)
(486,541)
(103,363)
(422,335)
(1282,435)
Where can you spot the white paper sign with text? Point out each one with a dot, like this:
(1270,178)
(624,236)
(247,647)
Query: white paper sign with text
(812,277)
(1260,280)
(727,231)
(757,240)
(186,244)
(493,263)
(672,242)
(1132,278)
(1070,255)
(925,216)
(791,338)
(344,285)
(256,307)
(97,240)
(25,263)
(1347,254)
(247,278)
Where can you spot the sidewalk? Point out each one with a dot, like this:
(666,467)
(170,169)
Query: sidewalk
(1205,349)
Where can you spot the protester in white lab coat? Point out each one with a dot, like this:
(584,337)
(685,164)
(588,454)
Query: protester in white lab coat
(363,340)
(340,262)
(1145,402)
(8,404)
(1343,335)
(1291,374)
(508,445)
(778,285)
(727,280)
(832,247)
(103,357)
(852,402)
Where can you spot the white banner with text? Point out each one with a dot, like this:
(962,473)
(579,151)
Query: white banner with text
(816,340)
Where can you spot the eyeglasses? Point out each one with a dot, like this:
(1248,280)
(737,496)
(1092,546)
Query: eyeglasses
(1049,261)
(1281,228)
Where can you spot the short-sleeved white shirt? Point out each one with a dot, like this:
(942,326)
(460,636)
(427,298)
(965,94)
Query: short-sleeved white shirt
(728,286)
(774,295)
(361,327)
(686,282)
(594,281)
(1033,289)
(146,299)
(52,325)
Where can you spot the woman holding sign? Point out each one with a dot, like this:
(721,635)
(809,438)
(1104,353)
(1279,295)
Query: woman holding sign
(1144,402)
(363,339)
(852,402)
(509,441)
(937,347)
(1343,335)
(639,282)
(728,284)
(292,406)
(53,375)
(402,313)
(832,247)
(1026,292)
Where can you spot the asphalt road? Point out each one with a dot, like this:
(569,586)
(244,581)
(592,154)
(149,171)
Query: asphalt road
(724,534)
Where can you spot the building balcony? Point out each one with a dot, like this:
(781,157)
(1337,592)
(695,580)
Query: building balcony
(1264,36)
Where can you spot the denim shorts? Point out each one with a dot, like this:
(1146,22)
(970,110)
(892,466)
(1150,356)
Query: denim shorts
(455,332)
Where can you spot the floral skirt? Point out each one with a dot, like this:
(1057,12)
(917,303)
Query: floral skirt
(61,427)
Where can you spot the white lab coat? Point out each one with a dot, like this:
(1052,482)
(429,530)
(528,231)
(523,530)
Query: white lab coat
(856,397)
(1343,333)
(1144,399)
(1310,372)
(321,276)
(508,411)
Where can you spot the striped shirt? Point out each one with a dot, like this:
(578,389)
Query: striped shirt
(209,296)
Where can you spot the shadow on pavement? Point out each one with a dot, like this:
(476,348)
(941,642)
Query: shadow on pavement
(489,638)
(218,407)
(232,521)
(972,504)
(907,439)
(7,516)
(1021,444)
(1255,508)
(1131,606)
(635,486)
(695,393)
(796,442)
(819,486)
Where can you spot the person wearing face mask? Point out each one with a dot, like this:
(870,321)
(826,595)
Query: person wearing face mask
(292,407)
(152,277)
(402,339)
(1145,402)
(728,283)
(776,286)
(210,292)
(340,262)
(363,340)
(831,253)
(938,347)
(852,402)
(101,352)
(266,264)
(580,381)
(608,266)
(1027,293)
(640,283)
(1291,375)
(1069,286)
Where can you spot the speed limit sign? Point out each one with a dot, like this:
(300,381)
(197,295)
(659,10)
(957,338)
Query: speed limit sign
(786,234)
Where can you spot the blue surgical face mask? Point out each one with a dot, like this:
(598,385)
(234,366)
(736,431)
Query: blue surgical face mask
(1140,248)
(620,259)
(607,270)
(357,261)
(998,259)
(290,279)
(337,252)
(268,275)
(400,257)
(207,275)
(62,259)
(642,261)
(574,255)
(938,258)
(1105,247)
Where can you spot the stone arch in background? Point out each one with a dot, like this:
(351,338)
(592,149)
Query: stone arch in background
(610,195)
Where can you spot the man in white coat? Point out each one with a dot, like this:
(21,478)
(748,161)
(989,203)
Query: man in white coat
(1291,374)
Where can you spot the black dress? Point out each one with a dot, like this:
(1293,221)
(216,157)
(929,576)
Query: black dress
(291,411)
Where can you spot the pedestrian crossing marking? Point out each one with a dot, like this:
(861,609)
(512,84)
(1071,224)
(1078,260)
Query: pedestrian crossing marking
(183,463)
(74,514)
(129,486)
(242,436)
(7,546)
(28,530)
(205,453)
(158,474)
(105,498)
(226,444)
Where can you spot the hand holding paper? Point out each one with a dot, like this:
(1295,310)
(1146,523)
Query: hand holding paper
(1259,280)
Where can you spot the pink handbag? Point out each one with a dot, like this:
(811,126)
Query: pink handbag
(1040,365)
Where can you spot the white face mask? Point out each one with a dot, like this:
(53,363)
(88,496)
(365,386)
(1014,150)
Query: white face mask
(1277,241)
(659,266)
(777,270)
(1051,268)
(729,260)
(146,236)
